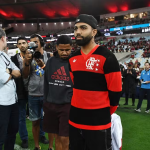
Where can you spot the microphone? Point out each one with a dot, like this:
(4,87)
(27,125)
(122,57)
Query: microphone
(32,45)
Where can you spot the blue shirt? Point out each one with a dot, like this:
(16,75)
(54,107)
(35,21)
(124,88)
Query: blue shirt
(8,94)
(145,76)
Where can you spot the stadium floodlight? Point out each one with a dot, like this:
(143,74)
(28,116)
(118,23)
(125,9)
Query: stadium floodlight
(62,23)
(50,40)
(40,24)
(32,24)
(16,37)
(66,34)
(69,22)
(16,24)
(12,42)
(28,37)
(24,24)
(47,24)
(54,23)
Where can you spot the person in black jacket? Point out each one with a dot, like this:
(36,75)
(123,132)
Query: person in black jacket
(130,84)
(21,90)
(58,90)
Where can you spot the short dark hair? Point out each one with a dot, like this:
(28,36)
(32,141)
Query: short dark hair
(146,62)
(22,38)
(2,33)
(129,65)
(64,39)
(39,37)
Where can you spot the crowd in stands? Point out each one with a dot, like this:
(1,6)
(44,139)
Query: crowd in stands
(131,21)
(129,45)
(136,66)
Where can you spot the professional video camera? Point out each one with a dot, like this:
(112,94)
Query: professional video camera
(32,48)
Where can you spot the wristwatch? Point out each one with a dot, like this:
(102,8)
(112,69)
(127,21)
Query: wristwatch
(10,70)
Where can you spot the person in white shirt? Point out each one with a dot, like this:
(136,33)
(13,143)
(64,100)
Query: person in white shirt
(116,132)
(9,115)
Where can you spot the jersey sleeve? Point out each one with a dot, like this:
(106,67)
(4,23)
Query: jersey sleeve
(70,71)
(114,82)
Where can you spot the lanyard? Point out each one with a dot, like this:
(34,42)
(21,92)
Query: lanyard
(8,62)
(21,56)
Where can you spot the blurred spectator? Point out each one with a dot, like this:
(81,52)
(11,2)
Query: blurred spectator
(131,62)
(138,63)
(145,88)
(130,84)
(136,68)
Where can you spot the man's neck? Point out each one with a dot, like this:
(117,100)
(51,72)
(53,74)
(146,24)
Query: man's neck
(41,51)
(23,54)
(147,69)
(1,49)
(87,48)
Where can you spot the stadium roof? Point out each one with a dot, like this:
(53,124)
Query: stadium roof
(48,9)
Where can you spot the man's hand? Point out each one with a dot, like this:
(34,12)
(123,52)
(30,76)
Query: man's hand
(147,82)
(28,57)
(127,71)
(7,70)
(130,72)
(39,62)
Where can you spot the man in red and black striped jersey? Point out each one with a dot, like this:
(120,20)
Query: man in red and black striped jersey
(97,86)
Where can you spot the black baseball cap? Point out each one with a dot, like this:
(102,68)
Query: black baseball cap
(89,19)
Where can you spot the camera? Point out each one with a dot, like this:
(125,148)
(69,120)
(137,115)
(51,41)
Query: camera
(32,48)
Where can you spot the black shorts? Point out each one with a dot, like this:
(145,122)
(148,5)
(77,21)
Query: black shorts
(56,118)
(89,139)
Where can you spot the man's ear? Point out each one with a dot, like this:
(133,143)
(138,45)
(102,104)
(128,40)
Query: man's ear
(57,47)
(2,38)
(94,32)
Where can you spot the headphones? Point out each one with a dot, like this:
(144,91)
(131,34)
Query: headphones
(40,38)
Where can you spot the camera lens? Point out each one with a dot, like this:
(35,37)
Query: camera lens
(37,55)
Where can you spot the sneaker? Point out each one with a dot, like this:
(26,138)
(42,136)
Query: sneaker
(27,117)
(147,111)
(138,110)
(24,144)
(44,140)
(37,148)
(50,149)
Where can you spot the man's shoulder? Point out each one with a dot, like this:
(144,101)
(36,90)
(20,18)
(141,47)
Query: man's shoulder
(14,57)
(103,51)
(77,53)
(142,71)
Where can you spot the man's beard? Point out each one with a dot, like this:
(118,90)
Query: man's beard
(24,50)
(84,41)
(65,58)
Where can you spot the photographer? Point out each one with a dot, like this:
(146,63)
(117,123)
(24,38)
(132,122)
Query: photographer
(33,69)
(9,116)
(130,83)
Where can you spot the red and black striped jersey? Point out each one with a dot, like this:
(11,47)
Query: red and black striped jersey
(96,90)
